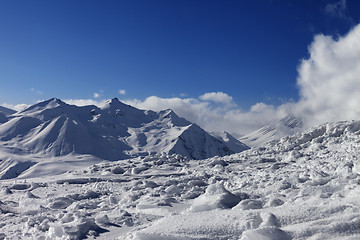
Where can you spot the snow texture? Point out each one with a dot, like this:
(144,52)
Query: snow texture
(5,113)
(305,186)
(288,125)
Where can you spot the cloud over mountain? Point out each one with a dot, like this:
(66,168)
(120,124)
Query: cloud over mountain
(219,116)
(329,79)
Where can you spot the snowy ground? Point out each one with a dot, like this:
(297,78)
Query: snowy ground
(304,187)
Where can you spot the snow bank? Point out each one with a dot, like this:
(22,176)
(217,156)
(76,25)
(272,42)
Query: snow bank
(215,197)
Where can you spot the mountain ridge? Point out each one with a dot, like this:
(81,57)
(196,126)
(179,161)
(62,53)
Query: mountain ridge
(286,126)
(5,113)
(113,131)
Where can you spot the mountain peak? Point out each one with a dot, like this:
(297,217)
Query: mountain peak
(116,131)
(288,125)
(291,121)
(114,103)
(47,104)
(175,119)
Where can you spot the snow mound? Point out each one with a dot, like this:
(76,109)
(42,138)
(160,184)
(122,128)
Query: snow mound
(215,197)
(11,168)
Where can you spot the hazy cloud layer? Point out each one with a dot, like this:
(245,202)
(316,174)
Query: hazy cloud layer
(16,107)
(336,9)
(214,117)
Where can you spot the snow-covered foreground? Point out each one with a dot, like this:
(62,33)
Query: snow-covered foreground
(306,186)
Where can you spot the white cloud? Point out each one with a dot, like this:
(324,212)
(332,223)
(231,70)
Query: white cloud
(218,97)
(96,95)
(329,80)
(189,108)
(122,92)
(211,117)
(16,107)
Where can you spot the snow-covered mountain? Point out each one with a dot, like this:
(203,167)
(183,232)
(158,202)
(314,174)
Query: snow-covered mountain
(113,131)
(230,141)
(7,111)
(4,113)
(3,118)
(288,125)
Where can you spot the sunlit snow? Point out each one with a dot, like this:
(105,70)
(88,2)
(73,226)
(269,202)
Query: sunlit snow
(304,186)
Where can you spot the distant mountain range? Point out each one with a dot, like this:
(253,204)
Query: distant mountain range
(113,131)
(288,125)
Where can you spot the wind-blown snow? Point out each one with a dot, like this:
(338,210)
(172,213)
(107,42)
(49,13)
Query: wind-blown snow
(305,186)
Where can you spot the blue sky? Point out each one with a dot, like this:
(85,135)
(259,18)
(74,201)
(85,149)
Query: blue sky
(245,61)
(73,49)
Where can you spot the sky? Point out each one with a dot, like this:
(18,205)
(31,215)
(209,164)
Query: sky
(226,65)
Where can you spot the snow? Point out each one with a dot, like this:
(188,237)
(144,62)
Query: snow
(215,197)
(3,118)
(113,132)
(286,126)
(304,186)
(231,142)
(7,111)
